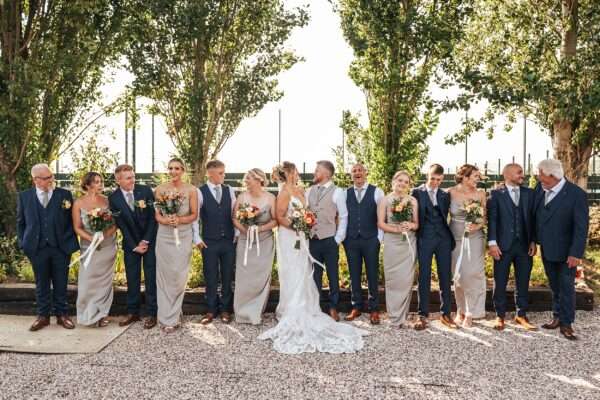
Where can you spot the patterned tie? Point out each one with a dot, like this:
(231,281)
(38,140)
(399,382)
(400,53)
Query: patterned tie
(45,199)
(516,194)
(360,194)
(218,193)
(130,201)
(432,197)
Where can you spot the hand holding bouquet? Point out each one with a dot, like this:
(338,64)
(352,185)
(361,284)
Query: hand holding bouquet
(474,213)
(301,220)
(402,212)
(169,204)
(248,214)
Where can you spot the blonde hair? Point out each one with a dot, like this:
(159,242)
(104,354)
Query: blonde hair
(258,174)
(400,173)
(282,171)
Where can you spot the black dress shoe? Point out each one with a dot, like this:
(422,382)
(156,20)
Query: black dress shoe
(568,332)
(555,323)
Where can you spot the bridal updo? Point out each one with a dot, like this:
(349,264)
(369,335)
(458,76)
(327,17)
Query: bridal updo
(281,172)
(465,171)
(257,174)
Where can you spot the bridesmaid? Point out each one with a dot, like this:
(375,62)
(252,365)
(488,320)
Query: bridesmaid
(470,284)
(254,278)
(398,253)
(95,283)
(172,262)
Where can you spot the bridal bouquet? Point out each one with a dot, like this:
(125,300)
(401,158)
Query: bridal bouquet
(169,203)
(402,211)
(474,213)
(302,220)
(97,220)
(247,214)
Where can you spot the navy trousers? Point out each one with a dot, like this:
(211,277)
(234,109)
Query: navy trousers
(326,251)
(562,283)
(133,271)
(219,260)
(439,246)
(51,269)
(361,250)
(517,256)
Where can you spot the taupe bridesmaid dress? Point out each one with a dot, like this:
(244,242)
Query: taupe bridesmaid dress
(399,270)
(172,266)
(470,287)
(95,283)
(253,281)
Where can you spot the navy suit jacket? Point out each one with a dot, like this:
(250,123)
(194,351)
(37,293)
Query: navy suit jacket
(424,202)
(139,224)
(500,209)
(28,221)
(564,229)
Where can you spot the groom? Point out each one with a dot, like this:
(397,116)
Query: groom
(215,204)
(135,219)
(329,204)
(45,233)
(511,241)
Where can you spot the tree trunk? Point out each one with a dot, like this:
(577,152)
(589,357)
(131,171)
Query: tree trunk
(199,175)
(8,205)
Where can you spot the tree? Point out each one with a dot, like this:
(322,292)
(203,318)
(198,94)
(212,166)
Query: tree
(208,65)
(52,58)
(398,47)
(541,59)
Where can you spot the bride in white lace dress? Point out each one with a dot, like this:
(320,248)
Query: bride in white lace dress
(302,327)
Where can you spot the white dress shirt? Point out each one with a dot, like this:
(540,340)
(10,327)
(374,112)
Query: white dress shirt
(196,223)
(551,193)
(378,196)
(339,198)
(40,194)
(434,194)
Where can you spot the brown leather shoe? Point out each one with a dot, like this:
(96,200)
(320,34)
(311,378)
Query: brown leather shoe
(334,314)
(555,323)
(420,324)
(568,333)
(103,322)
(447,321)
(226,317)
(65,322)
(374,318)
(207,319)
(129,319)
(524,322)
(353,315)
(150,322)
(39,323)
(499,324)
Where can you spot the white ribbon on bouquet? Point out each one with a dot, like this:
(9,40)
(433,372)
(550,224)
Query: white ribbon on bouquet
(465,246)
(251,238)
(176,234)
(410,247)
(304,246)
(89,252)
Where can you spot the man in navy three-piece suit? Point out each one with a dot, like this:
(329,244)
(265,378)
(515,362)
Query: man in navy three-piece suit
(511,230)
(561,222)
(45,233)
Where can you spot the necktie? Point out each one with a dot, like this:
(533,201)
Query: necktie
(432,197)
(547,197)
(218,193)
(130,201)
(516,194)
(45,199)
(360,194)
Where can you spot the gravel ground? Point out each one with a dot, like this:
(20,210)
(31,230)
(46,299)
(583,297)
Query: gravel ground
(226,361)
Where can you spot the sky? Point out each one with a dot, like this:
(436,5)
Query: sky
(316,92)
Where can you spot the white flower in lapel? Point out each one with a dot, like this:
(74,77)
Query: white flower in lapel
(66,204)
(141,204)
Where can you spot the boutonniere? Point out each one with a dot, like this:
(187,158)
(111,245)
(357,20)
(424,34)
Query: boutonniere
(66,204)
(141,204)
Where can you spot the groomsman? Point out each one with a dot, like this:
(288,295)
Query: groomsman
(434,238)
(511,241)
(328,202)
(562,219)
(362,242)
(215,206)
(135,219)
(45,234)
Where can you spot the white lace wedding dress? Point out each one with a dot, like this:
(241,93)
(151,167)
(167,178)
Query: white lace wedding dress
(302,326)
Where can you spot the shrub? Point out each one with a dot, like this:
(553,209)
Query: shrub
(11,257)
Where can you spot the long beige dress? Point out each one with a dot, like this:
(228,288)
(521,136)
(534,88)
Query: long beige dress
(469,277)
(253,280)
(172,266)
(95,283)
(399,255)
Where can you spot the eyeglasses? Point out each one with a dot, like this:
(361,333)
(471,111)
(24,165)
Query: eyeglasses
(44,178)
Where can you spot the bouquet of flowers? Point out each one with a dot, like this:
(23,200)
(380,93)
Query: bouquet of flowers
(96,220)
(301,220)
(402,211)
(247,214)
(474,213)
(169,203)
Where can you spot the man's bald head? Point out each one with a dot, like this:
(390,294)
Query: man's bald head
(513,174)
(359,174)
